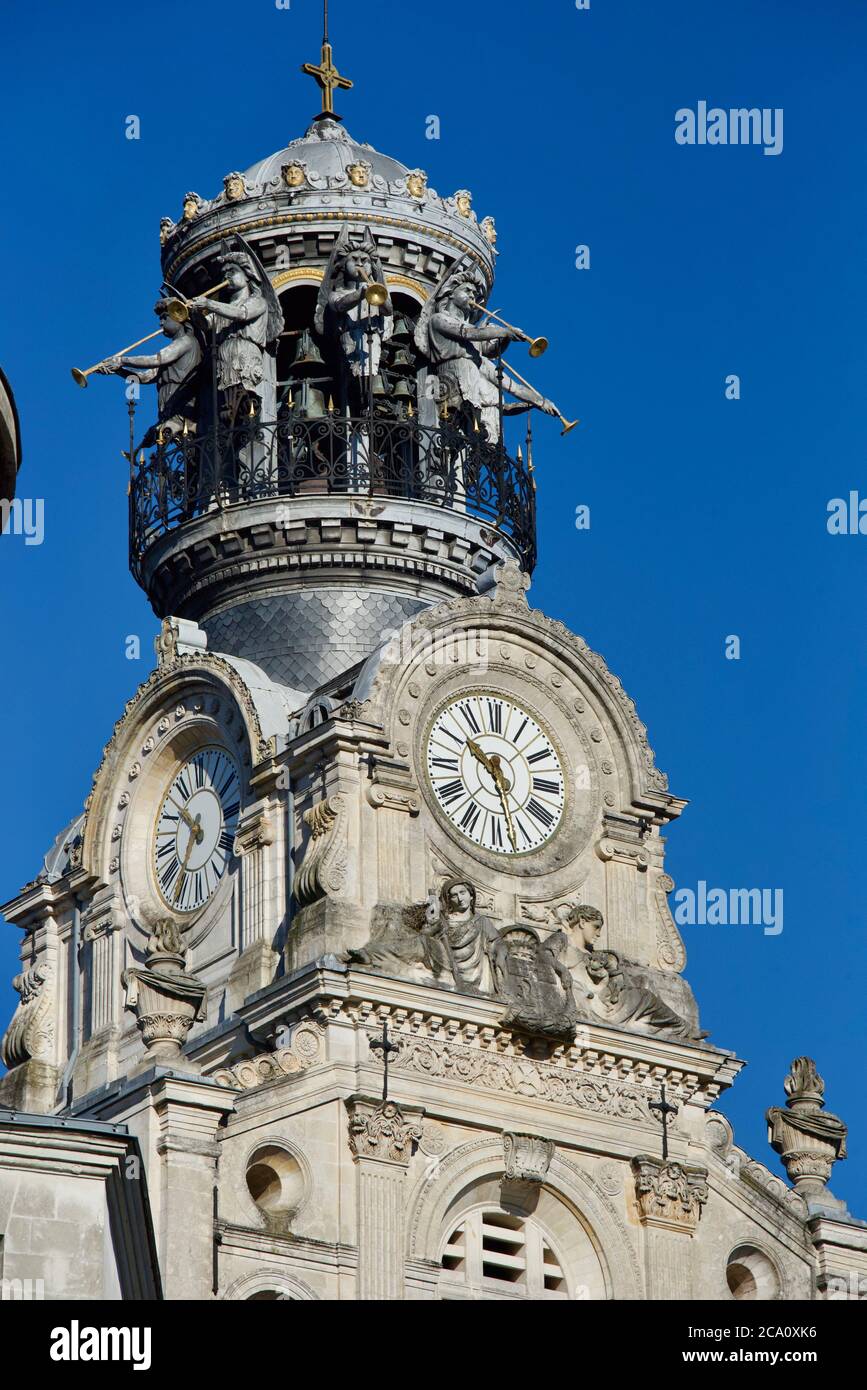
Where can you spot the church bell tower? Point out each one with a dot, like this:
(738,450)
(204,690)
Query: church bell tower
(361,943)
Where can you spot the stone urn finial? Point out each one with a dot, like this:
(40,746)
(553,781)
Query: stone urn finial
(808,1140)
(164,998)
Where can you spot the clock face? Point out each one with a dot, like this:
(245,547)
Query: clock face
(495,773)
(196,830)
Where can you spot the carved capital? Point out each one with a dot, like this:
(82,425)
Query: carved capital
(254,832)
(382,1132)
(395,798)
(670,1195)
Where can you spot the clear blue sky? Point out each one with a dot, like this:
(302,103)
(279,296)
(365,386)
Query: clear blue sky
(708,516)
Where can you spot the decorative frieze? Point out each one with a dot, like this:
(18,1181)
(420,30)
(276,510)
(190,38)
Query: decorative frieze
(522,1076)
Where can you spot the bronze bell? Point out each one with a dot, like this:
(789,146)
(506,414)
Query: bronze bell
(402,389)
(403,359)
(307,354)
(379,387)
(402,329)
(308,401)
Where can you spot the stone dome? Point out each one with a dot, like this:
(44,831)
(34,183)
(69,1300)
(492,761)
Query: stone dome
(327,148)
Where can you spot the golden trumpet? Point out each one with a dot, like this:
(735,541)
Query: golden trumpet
(376,293)
(567,424)
(179,309)
(80,376)
(537,345)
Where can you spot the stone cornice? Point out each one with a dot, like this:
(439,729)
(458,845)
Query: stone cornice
(353,997)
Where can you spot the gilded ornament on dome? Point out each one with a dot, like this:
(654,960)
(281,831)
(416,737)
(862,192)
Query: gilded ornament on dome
(294,174)
(416,183)
(192,204)
(359,173)
(464,202)
(234,187)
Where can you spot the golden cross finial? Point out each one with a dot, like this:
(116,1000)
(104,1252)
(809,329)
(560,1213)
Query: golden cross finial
(325,74)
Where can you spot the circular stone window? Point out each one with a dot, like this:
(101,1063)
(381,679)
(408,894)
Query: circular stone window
(275,1181)
(750,1275)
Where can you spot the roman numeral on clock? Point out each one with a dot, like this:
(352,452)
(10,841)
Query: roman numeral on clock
(495,773)
(542,753)
(539,812)
(495,716)
(545,784)
(169,874)
(451,791)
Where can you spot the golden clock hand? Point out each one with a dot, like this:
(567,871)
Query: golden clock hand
(196,837)
(185,816)
(503,787)
(480,755)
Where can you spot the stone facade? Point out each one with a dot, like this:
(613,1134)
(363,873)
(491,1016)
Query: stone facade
(380,1017)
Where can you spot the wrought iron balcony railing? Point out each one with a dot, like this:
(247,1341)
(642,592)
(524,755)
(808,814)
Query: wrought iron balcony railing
(190,475)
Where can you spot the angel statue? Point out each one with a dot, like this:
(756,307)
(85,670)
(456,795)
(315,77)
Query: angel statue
(173,369)
(449,334)
(362,327)
(246,324)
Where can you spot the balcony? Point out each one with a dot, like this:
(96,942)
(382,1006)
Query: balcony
(449,466)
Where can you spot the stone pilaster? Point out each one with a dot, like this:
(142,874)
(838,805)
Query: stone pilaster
(188,1112)
(393,796)
(382,1138)
(841,1255)
(622,851)
(102,967)
(262,904)
(669,1197)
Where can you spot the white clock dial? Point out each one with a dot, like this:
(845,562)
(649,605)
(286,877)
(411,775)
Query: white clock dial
(495,773)
(196,829)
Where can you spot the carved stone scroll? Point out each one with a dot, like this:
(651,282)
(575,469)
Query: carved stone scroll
(323,869)
(30,1035)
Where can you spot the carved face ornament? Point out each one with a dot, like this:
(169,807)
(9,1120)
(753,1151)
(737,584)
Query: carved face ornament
(293,175)
(359,175)
(460,898)
(234,187)
(464,202)
(416,183)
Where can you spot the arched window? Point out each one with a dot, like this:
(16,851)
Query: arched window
(493,1254)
